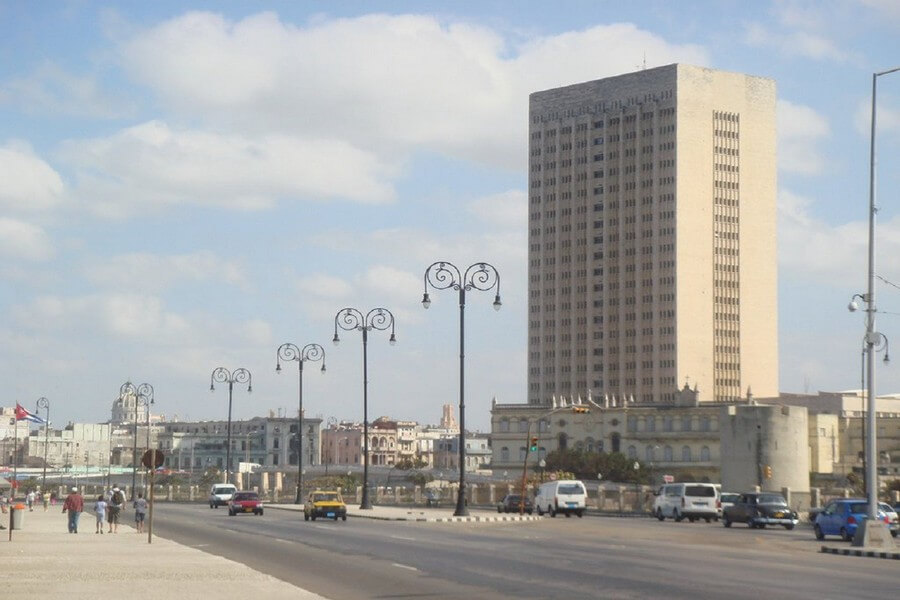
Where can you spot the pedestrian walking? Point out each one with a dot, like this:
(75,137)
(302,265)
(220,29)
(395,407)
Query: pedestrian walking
(140,511)
(29,501)
(52,498)
(74,505)
(116,503)
(100,512)
(45,496)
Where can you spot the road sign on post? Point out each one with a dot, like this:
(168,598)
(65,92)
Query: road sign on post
(668,479)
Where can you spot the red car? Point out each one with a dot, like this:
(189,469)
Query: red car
(245,502)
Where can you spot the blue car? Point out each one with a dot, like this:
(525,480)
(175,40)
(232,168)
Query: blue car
(841,517)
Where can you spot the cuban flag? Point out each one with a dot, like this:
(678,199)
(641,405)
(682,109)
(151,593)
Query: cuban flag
(22,414)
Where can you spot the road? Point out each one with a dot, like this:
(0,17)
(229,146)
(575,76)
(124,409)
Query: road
(553,558)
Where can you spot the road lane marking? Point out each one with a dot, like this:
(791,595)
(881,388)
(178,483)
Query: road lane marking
(404,566)
(400,537)
(283,540)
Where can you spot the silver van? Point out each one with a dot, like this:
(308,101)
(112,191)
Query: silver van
(565,496)
(220,494)
(689,501)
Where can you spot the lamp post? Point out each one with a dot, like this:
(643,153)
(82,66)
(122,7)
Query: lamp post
(223,375)
(142,394)
(480,276)
(873,337)
(45,404)
(350,319)
(311,352)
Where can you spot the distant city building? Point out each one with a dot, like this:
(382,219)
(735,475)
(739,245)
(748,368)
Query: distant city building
(652,237)
(478,452)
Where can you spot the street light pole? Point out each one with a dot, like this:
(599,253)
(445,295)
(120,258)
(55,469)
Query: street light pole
(350,319)
(42,402)
(223,375)
(480,276)
(289,351)
(142,393)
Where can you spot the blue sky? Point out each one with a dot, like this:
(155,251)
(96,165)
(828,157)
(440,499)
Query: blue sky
(187,185)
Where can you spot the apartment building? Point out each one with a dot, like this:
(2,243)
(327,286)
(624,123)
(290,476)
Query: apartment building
(652,237)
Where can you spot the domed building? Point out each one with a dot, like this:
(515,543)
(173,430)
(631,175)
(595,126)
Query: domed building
(127,409)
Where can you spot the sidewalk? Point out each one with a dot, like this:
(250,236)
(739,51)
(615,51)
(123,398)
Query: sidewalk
(44,559)
(432,515)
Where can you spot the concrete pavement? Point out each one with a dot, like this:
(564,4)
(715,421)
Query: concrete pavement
(43,559)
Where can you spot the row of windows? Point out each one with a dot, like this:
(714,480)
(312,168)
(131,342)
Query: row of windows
(668,453)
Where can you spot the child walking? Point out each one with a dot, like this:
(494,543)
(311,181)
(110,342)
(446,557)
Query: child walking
(100,511)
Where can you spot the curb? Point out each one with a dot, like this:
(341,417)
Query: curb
(895,555)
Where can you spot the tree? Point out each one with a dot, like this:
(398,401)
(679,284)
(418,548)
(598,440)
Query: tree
(614,466)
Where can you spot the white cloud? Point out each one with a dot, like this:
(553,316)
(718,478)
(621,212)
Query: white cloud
(794,43)
(454,88)
(157,272)
(507,209)
(887,116)
(28,182)
(801,131)
(24,240)
(153,164)
(324,286)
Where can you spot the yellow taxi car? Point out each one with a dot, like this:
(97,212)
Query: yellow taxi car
(324,503)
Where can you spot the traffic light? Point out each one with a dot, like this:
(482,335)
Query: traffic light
(581,409)
(768,471)
(534,444)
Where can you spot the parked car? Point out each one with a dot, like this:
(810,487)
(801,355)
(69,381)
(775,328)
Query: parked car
(245,502)
(324,503)
(690,501)
(758,509)
(727,499)
(511,504)
(220,494)
(564,496)
(842,516)
(892,517)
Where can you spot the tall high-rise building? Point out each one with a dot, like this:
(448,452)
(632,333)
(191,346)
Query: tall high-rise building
(652,230)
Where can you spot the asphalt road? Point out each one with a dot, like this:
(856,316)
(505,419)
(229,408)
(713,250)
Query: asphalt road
(553,558)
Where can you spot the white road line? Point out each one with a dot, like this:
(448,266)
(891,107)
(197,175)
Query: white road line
(404,566)
(283,540)
(400,537)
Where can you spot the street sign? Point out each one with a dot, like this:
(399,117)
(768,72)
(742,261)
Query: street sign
(668,479)
(153,459)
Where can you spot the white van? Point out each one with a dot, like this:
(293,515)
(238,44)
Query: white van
(566,496)
(690,501)
(220,494)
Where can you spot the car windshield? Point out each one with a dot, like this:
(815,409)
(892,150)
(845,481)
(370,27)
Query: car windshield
(885,507)
(325,497)
(702,491)
(730,498)
(572,489)
(771,499)
(246,496)
(512,498)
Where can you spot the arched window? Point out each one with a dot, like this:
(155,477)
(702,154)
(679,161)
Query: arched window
(668,454)
(504,425)
(514,425)
(589,444)
(616,442)
(543,426)
(704,454)
(632,423)
(651,423)
(563,442)
(504,454)
(704,423)
(650,453)
(686,423)
(685,454)
(632,452)
(667,423)
(523,426)
(522,451)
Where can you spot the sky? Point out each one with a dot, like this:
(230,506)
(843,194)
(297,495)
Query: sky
(188,185)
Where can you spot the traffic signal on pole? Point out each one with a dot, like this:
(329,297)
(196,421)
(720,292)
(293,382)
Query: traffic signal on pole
(768,471)
(581,409)
(534,444)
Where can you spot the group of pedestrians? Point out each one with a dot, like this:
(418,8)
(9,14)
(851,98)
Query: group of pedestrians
(34,498)
(107,509)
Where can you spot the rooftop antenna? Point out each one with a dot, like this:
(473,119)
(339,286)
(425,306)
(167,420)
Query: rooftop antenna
(643,65)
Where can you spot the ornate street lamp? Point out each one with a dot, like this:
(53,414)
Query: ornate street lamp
(480,276)
(289,351)
(143,394)
(223,375)
(350,319)
(45,404)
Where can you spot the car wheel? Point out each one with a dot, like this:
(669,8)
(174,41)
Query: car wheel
(894,533)
(529,511)
(845,535)
(499,510)
(343,517)
(789,526)
(211,505)
(818,532)
(726,521)
(707,519)
(579,513)
(678,518)
(540,512)
(231,513)
(552,511)
(692,519)
(660,515)
(760,525)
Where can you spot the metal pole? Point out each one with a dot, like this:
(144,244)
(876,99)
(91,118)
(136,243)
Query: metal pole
(461,508)
(300,435)
(134,450)
(862,427)
(228,442)
(366,502)
(525,470)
